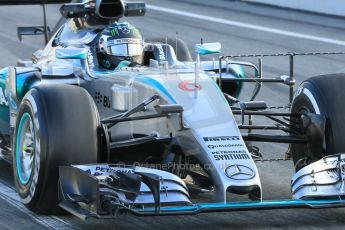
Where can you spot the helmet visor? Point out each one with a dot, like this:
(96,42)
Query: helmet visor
(128,48)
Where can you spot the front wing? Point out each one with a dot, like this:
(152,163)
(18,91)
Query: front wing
(103,191)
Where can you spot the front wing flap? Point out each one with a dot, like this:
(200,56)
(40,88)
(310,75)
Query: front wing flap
(103,190)
(324,178)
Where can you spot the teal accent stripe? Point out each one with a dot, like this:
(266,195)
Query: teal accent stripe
(77,53)
(3,73)
(67,56)
(239,74)
(208,207)
(156,85)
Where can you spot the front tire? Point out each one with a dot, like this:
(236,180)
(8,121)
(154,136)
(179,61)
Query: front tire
(56,125)
(323,95)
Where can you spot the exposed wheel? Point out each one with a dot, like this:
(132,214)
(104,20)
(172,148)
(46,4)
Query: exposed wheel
(56,125)
(182,52)
(323,95)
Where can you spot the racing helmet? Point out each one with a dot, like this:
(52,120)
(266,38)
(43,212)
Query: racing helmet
(118,42)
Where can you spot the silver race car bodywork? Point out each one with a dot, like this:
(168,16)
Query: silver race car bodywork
(167,129)
(209,131)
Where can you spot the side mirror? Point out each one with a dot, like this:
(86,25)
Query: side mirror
(208,48)
(71,53)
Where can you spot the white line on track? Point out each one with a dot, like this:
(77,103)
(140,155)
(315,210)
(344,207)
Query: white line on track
(52,222)
(246,25)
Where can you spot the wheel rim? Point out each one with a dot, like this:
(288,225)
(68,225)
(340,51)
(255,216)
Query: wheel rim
(305,160)
(25,148)
(305,110)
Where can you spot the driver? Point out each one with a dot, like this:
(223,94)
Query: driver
(120,45)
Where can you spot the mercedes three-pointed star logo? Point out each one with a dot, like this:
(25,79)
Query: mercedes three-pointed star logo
(239,172)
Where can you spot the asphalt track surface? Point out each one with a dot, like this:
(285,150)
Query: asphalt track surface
(242,29)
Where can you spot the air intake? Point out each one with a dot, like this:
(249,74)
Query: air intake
(110,9)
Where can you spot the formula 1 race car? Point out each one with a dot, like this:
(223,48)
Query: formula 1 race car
(101,122)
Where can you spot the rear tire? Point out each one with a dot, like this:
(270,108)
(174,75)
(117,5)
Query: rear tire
(322,95)
(56,125)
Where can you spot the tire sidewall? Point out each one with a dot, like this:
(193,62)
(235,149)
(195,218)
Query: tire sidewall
(308,92)
(310,98)
(30,192)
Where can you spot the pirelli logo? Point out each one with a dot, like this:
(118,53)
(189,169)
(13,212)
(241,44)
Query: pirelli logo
(222,138)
